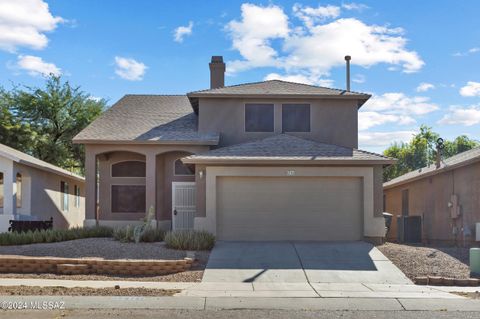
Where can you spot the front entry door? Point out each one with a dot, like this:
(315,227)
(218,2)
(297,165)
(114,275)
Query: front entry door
(183,205)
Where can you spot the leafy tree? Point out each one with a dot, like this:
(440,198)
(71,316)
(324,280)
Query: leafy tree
(42,122)
(421,151)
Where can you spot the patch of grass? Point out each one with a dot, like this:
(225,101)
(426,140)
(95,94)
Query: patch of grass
(189,240)
(53,235)
(127,235)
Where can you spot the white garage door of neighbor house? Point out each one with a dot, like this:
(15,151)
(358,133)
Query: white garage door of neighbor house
(289,208)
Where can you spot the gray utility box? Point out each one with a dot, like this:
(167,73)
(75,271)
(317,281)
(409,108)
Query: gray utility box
(409,229)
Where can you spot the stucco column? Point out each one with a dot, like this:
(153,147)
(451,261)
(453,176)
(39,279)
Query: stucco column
(150,182)
(9,206)
(90,186)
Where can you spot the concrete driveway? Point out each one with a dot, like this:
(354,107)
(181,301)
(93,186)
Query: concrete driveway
(301,262)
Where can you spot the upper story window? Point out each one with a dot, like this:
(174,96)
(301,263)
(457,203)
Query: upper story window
(64,194)
(259,118)
(296,117)
(1,190)
(129,169)
(183,169)
(19,190)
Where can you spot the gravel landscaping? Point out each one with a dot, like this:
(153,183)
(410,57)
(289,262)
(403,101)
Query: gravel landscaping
(82,291)
(108,248)
(417,261)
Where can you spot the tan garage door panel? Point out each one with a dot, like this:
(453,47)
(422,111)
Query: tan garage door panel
(289,208)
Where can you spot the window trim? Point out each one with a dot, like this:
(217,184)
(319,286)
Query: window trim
(111,199)
(174,174)
(309,115)
(113,163)
(245,117)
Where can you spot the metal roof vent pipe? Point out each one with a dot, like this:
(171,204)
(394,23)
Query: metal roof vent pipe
(217,72)
(347,60)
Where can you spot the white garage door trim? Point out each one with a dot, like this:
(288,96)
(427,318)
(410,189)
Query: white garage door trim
(372,226)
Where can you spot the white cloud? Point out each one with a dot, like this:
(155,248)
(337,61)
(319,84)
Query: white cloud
(24,23)
(471,89)
(355,6)
(467,116)
(251,36)
(383,139)
(367,120)
(310,15)
(468,52)
(129,69)
(35,66)
(400,104)
(359,78)
(299,78)
(182,31)
(314,46)
(424,87)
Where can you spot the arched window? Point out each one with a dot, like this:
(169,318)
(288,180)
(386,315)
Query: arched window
(128,169)
(19,190)
(183,169)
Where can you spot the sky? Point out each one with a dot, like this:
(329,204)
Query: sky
(420,60)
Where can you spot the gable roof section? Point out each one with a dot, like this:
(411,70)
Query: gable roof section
(459,160)
(279,88)
(284,148)
(147,119)
(28,160)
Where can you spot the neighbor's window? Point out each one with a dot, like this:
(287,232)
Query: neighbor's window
(259,118)
(19,190)
(184,169)
(1,190)
(128,198)
(64,191)
(128,169)
(77,196)
(296,117)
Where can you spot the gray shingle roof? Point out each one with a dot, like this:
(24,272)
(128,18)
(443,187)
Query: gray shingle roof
(28,160)
(276,87)
(458,160)
(284,147)
(147,118)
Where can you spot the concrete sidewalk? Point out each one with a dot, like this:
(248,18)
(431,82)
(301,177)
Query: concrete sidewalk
(213,303)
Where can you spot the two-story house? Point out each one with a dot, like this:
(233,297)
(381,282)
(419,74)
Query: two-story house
(272,160)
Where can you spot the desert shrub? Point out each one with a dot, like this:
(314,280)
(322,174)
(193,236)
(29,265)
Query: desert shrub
(189,240)
(53,235)
(126,235)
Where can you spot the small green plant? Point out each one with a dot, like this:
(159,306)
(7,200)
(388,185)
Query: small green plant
(140,233)
(53,235)
(189,240)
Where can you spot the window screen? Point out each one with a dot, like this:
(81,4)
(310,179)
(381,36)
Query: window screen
(128,169)
(259,117)
(296,117)
(128,198)
(184,169)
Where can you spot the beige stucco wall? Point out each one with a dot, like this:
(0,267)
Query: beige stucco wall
(373,226)
(41,196)
(429,197)
(159,176)
(331,121)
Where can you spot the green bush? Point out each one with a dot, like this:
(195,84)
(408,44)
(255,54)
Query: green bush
(53,235)
(126,235)
(189,240)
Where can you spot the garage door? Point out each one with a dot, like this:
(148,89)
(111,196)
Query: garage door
(289,208)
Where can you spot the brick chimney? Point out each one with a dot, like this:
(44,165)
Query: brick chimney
(217,72)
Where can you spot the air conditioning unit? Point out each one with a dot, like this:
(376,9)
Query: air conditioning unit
(477,232)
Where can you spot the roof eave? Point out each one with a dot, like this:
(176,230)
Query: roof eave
(271,161)
(159,142)
(363,97)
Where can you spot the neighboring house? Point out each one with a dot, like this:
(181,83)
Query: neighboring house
(31,189)
(271,160)
(446,195)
